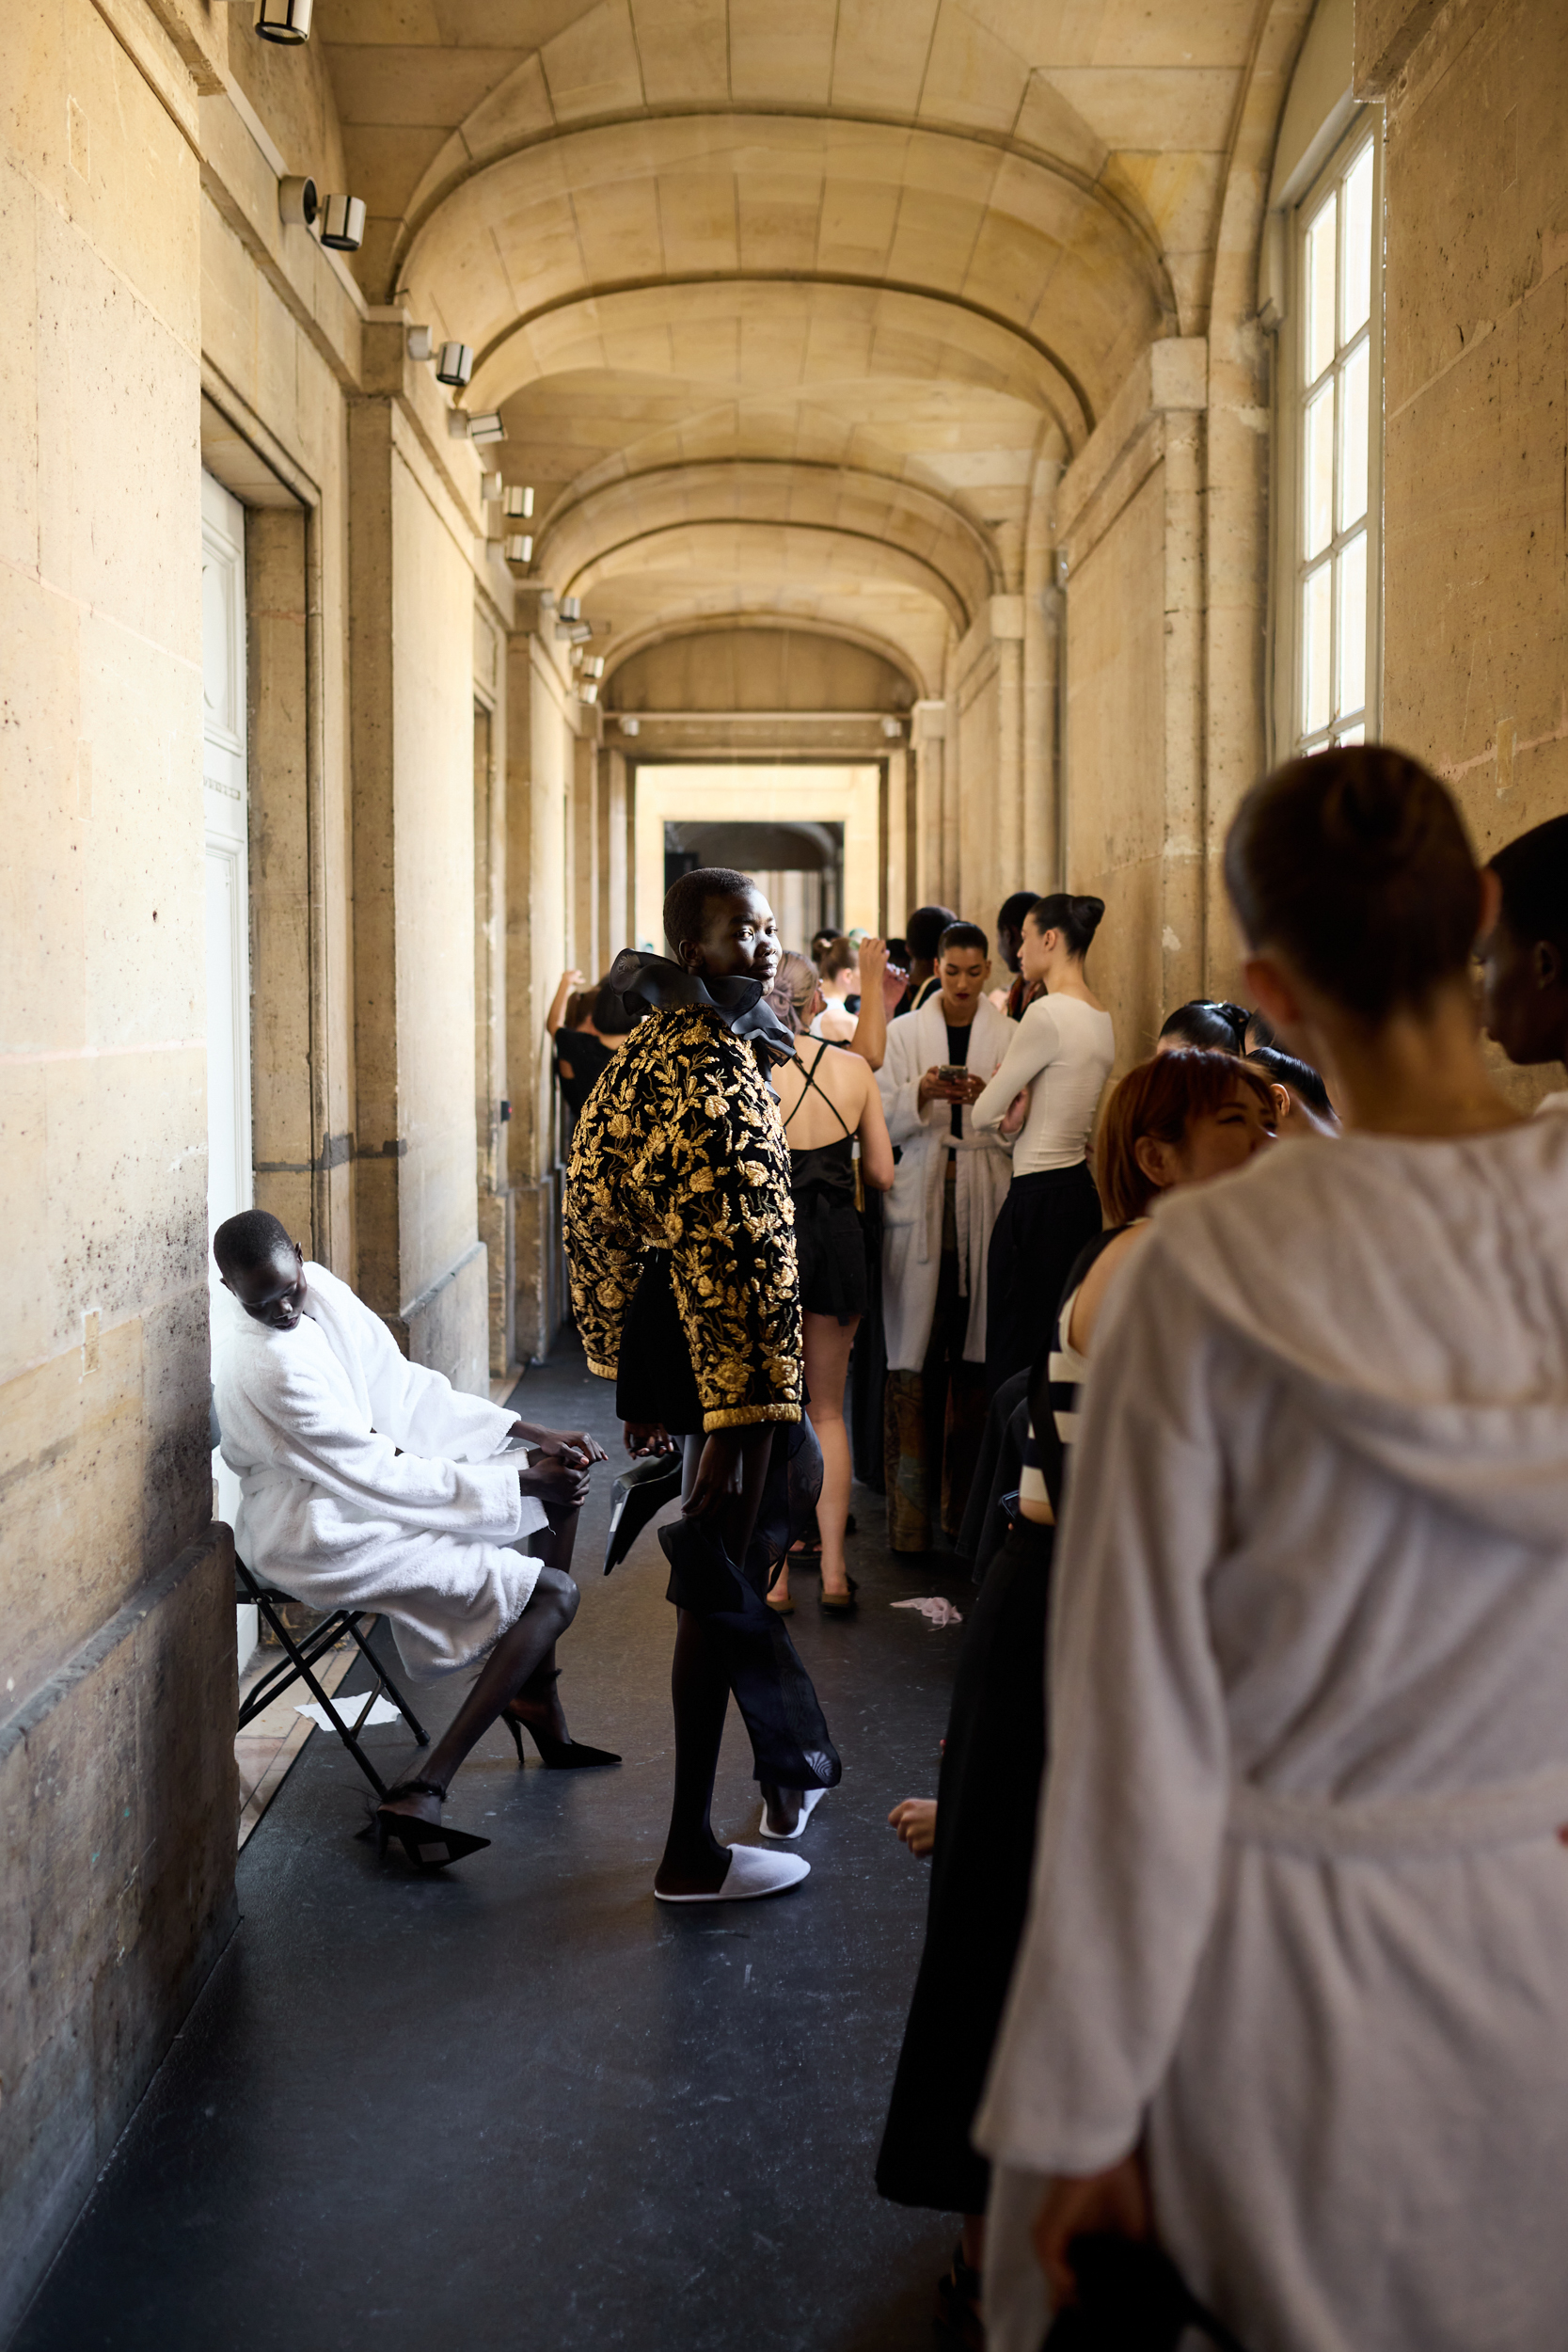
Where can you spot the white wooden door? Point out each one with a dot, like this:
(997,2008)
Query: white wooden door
(223,793)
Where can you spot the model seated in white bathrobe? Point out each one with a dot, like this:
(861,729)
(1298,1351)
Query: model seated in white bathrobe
(368,1482)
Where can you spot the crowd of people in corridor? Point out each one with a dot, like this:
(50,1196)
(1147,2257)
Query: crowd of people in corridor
(1240,1381)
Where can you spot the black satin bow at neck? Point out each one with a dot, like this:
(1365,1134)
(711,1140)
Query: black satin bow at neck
(739,1003)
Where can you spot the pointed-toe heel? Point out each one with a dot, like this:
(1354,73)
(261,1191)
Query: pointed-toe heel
(557,1756)
(426,1845)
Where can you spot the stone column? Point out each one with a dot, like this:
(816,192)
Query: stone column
(1042,828)
(1130,511)
(421,1261)
(539,760)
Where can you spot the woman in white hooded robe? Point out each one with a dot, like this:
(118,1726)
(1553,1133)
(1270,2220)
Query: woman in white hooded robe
(1293,1993)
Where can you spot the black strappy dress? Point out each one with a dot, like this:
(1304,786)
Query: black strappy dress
(830,1239)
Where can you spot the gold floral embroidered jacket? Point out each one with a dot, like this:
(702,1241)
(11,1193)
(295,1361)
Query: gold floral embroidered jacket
(679,1147)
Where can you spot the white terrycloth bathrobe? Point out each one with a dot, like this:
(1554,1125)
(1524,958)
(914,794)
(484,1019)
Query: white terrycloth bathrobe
(1300,1894)
(912,1217)
(332,1512)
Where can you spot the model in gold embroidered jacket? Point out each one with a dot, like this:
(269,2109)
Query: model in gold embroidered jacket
(679,1232)
(679,1148)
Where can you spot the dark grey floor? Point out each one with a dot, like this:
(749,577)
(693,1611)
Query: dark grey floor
(520,2104)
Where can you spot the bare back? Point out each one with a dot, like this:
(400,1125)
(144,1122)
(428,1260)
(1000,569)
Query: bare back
(840,1082)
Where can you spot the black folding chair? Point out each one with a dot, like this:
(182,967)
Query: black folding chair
(301,1657)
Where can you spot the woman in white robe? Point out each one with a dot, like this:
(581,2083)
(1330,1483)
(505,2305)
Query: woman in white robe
(1295,1979)
(368,1482)
(949,1183)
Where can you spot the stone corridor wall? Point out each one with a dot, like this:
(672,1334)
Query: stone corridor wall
(117,1773)
(1476,383)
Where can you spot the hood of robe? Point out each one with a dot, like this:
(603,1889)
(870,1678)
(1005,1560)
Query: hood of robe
(1415,1296)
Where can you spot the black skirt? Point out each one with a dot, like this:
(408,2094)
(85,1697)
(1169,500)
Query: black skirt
(830,1239)
(654,1379)
(986,1800)
(1043,1222)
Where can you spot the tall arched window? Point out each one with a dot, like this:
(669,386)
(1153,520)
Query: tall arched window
(1333,349)
(1321,290)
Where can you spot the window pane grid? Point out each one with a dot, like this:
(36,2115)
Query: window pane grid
(1333,567)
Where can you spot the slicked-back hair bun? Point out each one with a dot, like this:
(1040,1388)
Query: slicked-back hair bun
(1355,865)
(1076,918)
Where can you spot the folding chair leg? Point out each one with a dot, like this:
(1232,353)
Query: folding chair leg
(303,1669)
(420,1735)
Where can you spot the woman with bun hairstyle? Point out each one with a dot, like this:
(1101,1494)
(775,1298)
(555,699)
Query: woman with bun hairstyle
(1059,1059)
(1207,1022)
(1291,1993)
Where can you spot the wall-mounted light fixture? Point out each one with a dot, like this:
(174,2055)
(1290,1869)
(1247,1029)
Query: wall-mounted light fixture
(594,666)
(343,219)
(490,488)
(588,693)
(519,547)
(574,632)
(894,730)
(519,502)
(454,364)
(297,203)
(486,428)
(570,608)
(631,726)
(287,22)
(420,345)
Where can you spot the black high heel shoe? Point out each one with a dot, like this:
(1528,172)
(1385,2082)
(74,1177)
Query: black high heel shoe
(558,1756)
(427,1845)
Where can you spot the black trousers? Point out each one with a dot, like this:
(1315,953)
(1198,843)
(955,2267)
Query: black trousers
(981,1866)
(1042,1224)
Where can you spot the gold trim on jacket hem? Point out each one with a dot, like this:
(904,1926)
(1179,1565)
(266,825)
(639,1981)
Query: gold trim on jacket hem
(746,1416)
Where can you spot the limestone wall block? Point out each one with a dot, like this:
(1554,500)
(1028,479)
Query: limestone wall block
(683,47)
(117,378)
(518,108)
(697,220)
(783,56)
(118,1798)
(880,52)
(591,68)
(1135,107)
(971,76)
(1475,633)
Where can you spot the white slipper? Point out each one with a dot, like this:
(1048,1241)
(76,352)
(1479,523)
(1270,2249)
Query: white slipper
(750,1874)
(811,1799)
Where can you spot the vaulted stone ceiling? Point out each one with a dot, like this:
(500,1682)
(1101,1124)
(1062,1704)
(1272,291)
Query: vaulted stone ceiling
(783,306)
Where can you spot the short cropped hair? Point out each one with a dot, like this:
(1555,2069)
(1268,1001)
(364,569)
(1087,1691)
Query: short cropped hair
(1159,1097)
(1533,871)
(1012,911)
(924,931)
(249,1240)
(963,936)
(686,903)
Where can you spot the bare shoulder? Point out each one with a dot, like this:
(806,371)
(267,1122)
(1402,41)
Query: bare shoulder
(1092,1290)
